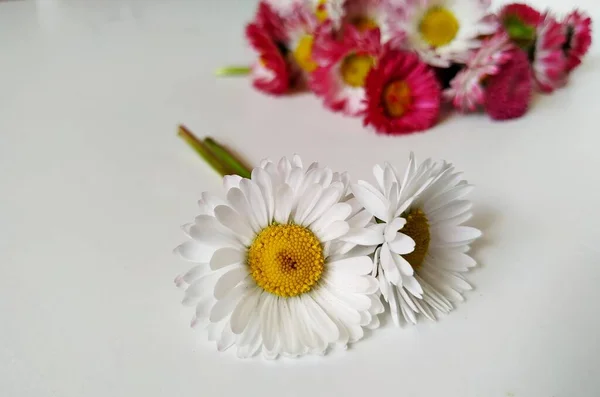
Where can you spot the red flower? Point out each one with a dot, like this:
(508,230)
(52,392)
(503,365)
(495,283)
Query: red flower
(578,26)
(402,94)
(508,93)
(271,73)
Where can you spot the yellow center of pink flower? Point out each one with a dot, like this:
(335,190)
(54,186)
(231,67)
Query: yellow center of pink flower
(321,11)
(355,68)
(438,26)
(397,98)
(364,23)
(303,53)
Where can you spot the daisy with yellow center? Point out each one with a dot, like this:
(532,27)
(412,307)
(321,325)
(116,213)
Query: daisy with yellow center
(420,243)
(343,67)
(272,272)
(442,31)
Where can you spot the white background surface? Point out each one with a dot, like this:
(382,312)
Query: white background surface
(94,185)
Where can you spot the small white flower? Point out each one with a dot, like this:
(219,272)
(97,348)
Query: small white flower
(421,243)
(273,274)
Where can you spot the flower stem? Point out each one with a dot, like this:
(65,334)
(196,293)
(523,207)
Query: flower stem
(202,149)
(230,161)
(233,71)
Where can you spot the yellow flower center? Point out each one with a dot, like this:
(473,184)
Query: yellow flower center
(286,260)
(417,227)
(363,23)
(355,68)
(397,98)
(321,11)
(439,26)
(303,53)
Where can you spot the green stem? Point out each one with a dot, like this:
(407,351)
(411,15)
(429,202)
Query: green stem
(233,71)
(202,149)
(227,158)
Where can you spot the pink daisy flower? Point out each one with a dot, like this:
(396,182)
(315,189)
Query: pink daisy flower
(578,26)
(508,93)
(547,58)
(466,90)
(343,65)
(402,94)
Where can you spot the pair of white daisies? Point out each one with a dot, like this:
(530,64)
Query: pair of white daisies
(296,259)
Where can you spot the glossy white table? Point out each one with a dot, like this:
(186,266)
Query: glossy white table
(94,185)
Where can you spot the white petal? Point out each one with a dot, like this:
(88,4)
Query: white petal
(269,326)
(388,265)
(390,182)
(234,222)
(256,201)
(412,285)
(244,310)
(360,265)
(225,306)
(376,305)
(231,181)
(307,202)
(391,229)
(226,257)
(265,184)
(376,204)
(303,325)
(193,251)
(321,323)
(423,307)
(191,275)
(337,212)
(227,339)
(238,201)
(374,324)
(360,220)
(229,280)
(335,309)
(364,237)
(450,210)
(298,323)
(353,284)
(447,197)
(200,287)
(208,230)
(403,265)
(394,305)
(402,244)
(358,302)
(455,234)
(297,161)
(330,196)
(409,301)
(334,231)
(378,173)
(284,199)
(451,260)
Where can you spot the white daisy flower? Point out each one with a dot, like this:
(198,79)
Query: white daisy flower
(273,274)
(443,31)
(419,219)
